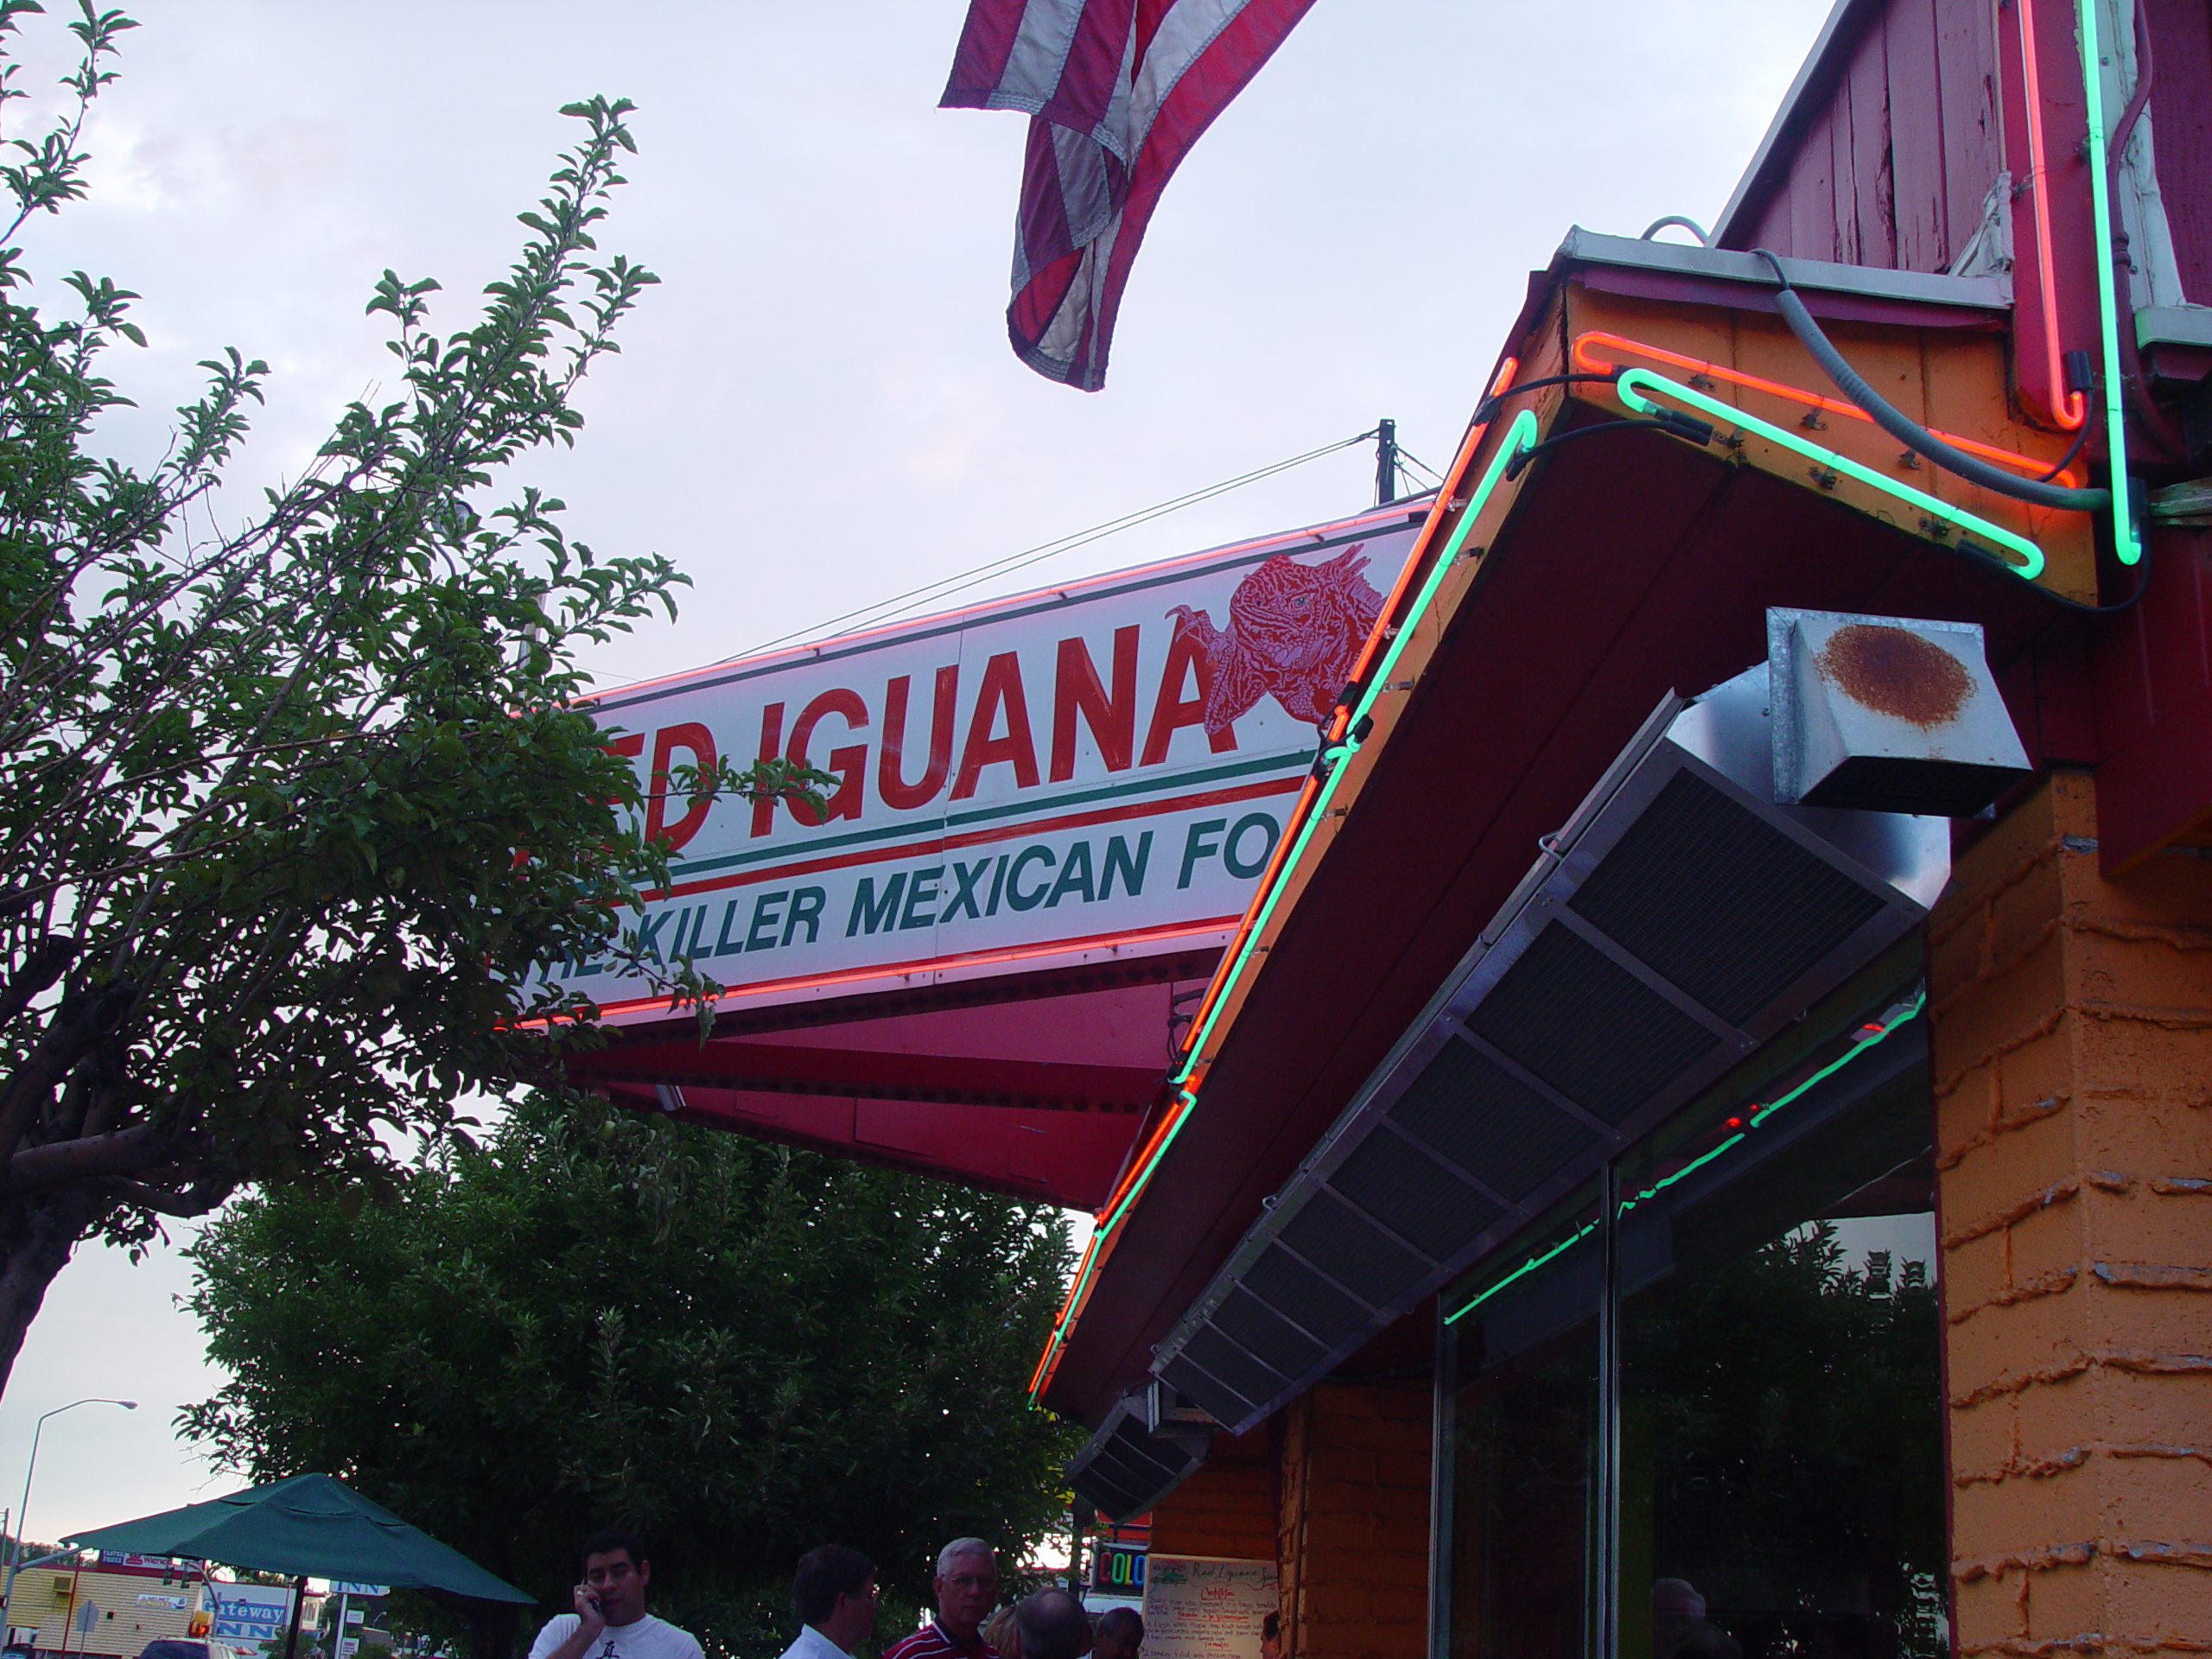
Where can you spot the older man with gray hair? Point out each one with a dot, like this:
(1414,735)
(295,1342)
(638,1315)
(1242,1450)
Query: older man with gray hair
(967,1588)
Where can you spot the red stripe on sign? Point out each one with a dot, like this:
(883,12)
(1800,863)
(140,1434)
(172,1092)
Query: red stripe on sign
(981,837)
(918,964)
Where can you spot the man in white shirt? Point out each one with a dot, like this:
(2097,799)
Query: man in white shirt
(833,1594)
(611,1621)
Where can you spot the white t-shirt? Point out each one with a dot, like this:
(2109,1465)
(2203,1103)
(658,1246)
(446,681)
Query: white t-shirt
(812,1644)
(646,1638)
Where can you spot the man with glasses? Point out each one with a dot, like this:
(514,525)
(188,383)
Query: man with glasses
(967,1585)
(833,1594)
(610,1621)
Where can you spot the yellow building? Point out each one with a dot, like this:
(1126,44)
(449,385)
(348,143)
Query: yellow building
(110,1609)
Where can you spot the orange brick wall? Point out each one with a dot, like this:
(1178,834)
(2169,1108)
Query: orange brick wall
(2073,1075)
(1226,1507)
(1354,1549)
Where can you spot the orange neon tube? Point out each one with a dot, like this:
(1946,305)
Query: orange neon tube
(1216,987)
(1452,477)
(2069,408)
(1137,1164)
(1588,355)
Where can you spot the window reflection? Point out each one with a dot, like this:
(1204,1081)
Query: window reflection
(1774,1470)
(1521,1435)
(1781,1460)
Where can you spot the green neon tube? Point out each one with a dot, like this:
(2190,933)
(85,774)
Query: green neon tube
(1633,382)
(1521,434)
(2127,540)
(1758,1117)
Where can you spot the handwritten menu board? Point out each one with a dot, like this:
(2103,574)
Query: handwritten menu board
(1205,1607)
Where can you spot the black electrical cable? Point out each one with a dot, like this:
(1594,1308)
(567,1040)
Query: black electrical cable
(1909,432)
(1983,560)
(1681,426)
(1487,411)
(2073,453)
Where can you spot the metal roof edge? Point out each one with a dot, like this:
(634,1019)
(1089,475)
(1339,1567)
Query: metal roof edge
(1841,27)
(1583,247)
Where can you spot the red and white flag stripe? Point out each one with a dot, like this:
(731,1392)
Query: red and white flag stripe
(1117,92)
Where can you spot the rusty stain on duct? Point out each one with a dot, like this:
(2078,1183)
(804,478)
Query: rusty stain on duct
(1895,671)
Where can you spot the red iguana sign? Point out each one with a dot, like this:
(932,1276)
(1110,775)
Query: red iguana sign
(1100,768)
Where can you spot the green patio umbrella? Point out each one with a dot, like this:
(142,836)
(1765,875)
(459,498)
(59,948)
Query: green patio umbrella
(308,1525)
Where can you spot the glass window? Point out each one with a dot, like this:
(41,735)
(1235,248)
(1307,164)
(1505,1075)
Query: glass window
(1726,1406)
(1520,1423)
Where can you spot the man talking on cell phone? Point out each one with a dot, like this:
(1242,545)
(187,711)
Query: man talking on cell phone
(611,1621)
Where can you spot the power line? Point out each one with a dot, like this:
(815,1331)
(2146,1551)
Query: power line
(884,610)
(1407,455)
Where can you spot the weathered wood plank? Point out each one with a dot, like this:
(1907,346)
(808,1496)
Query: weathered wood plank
(2181,118)
(1811,191)
(1873,216)
(1916,138)
(1968,76)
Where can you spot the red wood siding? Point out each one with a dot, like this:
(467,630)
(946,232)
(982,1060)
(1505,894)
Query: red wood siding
(1895,147)
(2181,120)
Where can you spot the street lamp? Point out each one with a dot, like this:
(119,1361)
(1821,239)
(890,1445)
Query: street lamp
(16,1546)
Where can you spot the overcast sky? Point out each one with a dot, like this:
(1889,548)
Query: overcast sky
(817,407)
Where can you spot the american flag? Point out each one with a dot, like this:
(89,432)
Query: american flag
(1117,92)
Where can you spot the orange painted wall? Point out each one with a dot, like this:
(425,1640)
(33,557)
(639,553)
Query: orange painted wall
(1226,1507)
(1355,1520)
(2073,1076)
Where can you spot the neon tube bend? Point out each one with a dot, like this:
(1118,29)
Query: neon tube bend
(1908,431)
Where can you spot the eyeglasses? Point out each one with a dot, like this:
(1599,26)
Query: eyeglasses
(970,1581)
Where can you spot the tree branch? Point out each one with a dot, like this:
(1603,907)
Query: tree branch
(127,1151)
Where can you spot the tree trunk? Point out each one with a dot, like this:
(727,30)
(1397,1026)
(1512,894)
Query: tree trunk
(36,1237)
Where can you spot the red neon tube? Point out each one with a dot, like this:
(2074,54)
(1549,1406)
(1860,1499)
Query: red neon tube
(1453,478)
(1589,356)
(2069,409)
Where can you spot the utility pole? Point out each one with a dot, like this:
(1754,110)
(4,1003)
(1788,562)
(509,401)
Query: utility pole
(1386,462)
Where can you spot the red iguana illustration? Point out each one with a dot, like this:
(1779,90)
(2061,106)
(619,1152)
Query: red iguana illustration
(1293,631)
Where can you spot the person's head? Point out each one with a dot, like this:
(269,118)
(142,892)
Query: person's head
(1271,1636)
(833,1590)
(617,1572)
(998,1635)
(967,1585)
(1120,1633)
(1052,1625)
(1675,1605)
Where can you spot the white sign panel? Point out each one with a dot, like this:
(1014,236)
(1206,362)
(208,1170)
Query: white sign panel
(1106,764)
(1205,1607)
(250,1613)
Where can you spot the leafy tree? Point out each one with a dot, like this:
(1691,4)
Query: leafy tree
(740,1349)
(293,804)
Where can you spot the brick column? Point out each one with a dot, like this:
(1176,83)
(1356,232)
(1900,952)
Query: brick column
(1354,1551)
(2073,1075)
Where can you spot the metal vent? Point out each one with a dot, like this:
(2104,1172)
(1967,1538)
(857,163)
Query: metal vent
(1470,1109)
(1678,921)
(1324,1310)
(1544,1011)
(1727,907)
(1124,1469)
